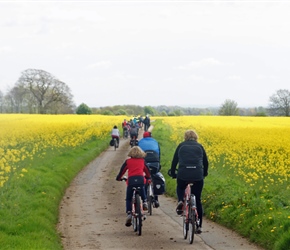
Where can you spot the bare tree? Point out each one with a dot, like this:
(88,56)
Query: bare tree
(47,92)
(229,108)
(280,103)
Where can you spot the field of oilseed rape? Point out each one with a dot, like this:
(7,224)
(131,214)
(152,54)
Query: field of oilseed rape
(25,136)
(248,184)
(40,155)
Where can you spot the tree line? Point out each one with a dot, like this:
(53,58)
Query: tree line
(39,92)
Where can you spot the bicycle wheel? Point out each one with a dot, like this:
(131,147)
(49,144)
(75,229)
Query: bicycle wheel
(138,215)
(115,143)
(149,199)
(185,221)
(191,222)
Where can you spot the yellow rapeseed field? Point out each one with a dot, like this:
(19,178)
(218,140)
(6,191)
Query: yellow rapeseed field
(256,149)
(24,136)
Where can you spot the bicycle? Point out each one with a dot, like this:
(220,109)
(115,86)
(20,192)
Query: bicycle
(125,133)
(137,211)
(150,196)
(134,141)
(115,143)
(190,215)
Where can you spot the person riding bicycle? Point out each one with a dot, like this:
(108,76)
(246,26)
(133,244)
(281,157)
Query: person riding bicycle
(192,168)
(136,167)
(125,128)
(134,131)
(115,134)
(152,149)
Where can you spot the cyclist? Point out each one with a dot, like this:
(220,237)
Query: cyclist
(125,128)
(136,167)
(192,168)
(116,134)
(134,131)
(152,149)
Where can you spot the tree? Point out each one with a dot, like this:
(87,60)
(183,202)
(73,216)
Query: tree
(83,109)
(280,103)
(228,108)
(149,110)
(44,91)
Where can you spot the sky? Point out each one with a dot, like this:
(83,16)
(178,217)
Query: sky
(151,53)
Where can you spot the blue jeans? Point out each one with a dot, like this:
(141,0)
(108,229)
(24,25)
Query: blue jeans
(196,189)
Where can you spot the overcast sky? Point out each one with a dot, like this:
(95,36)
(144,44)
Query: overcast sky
(185,53)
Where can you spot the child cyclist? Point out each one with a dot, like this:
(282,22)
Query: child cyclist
(136,169)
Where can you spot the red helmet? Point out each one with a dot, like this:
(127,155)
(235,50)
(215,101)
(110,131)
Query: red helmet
(146,134)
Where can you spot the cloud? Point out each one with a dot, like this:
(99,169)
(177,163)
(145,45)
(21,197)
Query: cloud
(100,65)
(5,49)
(202,63)
(233,78)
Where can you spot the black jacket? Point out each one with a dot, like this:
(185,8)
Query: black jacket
(192,161)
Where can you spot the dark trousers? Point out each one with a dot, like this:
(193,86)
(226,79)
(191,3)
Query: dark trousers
(129,194)
(196,189)
(117,137)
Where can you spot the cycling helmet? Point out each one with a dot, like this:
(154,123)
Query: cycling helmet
(146,134)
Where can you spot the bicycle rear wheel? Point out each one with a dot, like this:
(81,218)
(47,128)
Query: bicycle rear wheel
(185,221)
(191,223)
(149,199)
(115,144)
(138,215)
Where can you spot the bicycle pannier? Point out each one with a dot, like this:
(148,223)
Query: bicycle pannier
(158,183)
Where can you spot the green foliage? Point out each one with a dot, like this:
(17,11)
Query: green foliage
(30,212)
(228,108)
(149,110)
(83,109)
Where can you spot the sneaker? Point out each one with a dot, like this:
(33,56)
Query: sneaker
(156,204)
(179,208)
(145,206)
(198,230)
(128,220)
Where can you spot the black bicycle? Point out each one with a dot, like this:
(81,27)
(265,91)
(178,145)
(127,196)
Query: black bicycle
(115,143)
(134,141)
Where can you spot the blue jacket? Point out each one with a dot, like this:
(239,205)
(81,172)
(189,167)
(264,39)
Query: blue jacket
(150,144)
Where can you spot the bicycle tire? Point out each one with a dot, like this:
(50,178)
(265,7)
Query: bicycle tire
(191,221)
(150,200)
(185,221)
(138,215)
(115,143)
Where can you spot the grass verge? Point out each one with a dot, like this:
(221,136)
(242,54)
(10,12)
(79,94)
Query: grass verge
(29,204)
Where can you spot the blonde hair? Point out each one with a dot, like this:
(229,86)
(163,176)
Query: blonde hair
(190,135)
(136,152)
